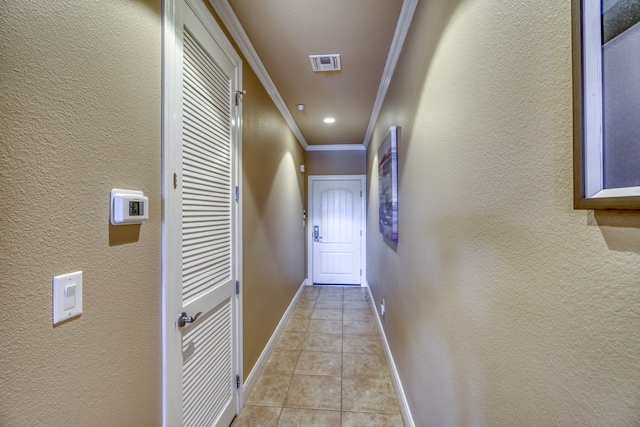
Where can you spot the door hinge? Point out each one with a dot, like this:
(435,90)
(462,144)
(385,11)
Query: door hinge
(237,287)
(237,382)
(175,180)
(361,194)
(361,272)
(237,193)
(239,93)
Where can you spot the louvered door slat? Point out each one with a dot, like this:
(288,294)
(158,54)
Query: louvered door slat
(204,101)
(202,147)
(203,248)
(201,74)
(196,133)
(206,181)
(210,166)
(202,116)
(204,72)
(200,159)
(201,261)
(209,153)
(199,239)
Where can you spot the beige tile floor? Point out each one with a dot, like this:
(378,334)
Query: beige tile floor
(328,368)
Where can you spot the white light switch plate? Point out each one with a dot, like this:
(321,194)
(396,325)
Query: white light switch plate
(67,296)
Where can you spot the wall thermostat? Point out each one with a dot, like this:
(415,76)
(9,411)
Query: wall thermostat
(128,207)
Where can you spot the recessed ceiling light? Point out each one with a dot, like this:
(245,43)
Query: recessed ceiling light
(329,120)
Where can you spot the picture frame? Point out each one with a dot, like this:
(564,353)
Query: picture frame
(606,101)
(388,184)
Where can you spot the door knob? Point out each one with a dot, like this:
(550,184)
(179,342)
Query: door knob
(184,319)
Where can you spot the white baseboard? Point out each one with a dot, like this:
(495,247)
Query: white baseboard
(402,398)
(264,356)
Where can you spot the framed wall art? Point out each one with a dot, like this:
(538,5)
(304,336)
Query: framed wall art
(606,104)
(388,184)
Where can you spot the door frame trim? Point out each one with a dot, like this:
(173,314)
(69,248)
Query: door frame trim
(172,131)
(311,179)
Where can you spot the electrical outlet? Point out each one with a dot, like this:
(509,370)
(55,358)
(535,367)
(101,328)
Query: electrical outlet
(383,309)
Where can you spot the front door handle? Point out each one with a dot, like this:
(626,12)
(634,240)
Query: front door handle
(316,234)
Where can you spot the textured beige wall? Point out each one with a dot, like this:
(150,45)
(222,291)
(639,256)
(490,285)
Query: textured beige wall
(80,114)
(273,200)
(336,163)
(504,305)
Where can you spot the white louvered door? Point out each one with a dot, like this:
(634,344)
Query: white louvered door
(203,356)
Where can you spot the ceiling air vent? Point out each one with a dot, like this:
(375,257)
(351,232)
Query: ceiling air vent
(325,62)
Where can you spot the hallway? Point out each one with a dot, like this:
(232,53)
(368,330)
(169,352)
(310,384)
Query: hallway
(327,369)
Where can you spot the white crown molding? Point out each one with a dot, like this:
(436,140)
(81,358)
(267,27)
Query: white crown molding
(230,20)
(404,22)
(337,147)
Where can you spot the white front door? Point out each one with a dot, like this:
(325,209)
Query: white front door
(336,229)
(200,235)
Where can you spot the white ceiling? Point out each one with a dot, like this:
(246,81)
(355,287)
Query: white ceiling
(281,34)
